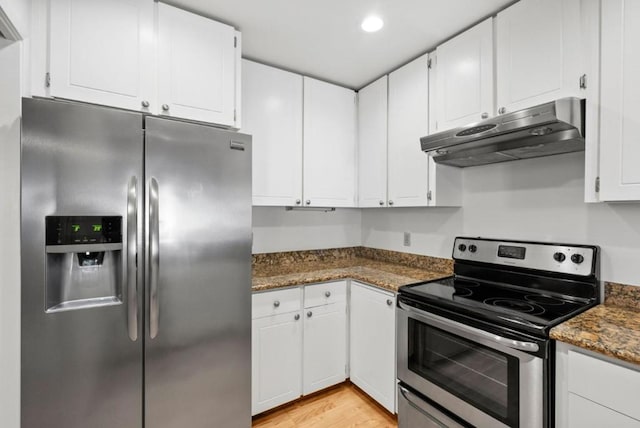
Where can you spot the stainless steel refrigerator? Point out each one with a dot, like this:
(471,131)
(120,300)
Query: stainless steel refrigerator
(136,270)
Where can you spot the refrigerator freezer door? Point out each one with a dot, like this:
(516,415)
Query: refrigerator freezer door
(198,339)
(81,362)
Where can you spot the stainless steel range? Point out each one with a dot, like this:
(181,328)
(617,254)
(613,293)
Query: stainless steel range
(474,348)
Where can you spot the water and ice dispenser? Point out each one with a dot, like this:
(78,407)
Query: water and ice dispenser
(84,262)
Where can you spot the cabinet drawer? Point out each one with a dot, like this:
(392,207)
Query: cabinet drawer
(275,302)
(606,383)
(326,293)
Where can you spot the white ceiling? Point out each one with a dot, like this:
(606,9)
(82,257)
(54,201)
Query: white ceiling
(322,38)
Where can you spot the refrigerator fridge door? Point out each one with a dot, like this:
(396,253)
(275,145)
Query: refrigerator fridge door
(198,340)
(81,207)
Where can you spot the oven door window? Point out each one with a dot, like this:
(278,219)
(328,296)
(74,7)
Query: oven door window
(483,377)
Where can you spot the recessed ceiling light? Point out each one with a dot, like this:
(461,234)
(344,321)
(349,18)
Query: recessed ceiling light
(372,24)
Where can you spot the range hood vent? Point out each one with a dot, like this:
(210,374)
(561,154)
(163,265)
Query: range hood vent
(547,129)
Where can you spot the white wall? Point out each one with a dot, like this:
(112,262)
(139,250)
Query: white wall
(275,229)
(9,234)
(537,199)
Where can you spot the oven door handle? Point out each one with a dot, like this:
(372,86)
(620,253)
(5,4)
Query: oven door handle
(510,343)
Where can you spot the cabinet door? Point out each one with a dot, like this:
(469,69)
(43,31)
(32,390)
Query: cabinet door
(372,144)
(465,78)
(538,53)
(329,145)
(276,355)
(620,101)
(408,121)
(325,347)
(585,413)
(102,52)
(372,343)
(196,67)
(272,114)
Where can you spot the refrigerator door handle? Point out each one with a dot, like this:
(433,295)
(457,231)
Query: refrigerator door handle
(154,258)
(132,254)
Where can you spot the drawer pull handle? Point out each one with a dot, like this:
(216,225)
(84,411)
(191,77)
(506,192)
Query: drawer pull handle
(296,317)
(309,314)
(327,294)
(276,303)
(389,302)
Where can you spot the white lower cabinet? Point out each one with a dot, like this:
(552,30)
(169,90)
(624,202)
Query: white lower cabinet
(372,343)
(295,351)
(276,361)
(276,347)
(324,361)
(594,391)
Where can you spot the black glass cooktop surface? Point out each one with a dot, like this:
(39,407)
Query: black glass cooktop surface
(532,305)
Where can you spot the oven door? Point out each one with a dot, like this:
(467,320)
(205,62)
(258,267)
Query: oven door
(485,379)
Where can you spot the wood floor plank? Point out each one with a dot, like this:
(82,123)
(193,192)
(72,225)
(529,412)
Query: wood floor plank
(343,406)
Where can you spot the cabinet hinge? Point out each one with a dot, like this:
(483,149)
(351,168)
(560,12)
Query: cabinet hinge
(47,80)
(597,184)
(429,63)
(429,195)
(583,81)
(235,41)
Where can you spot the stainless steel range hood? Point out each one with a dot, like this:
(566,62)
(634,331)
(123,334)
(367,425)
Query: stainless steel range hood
(547,129)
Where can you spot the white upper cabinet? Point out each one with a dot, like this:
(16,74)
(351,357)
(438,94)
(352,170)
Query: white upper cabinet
(102,52)
(620,101)
(272,114)
(372,144)
(408,121)
(538,53)
(196,67)
(329,145)
(115,54)
(464,83)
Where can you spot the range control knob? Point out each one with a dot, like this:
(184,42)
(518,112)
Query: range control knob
(473,248)
(462,247)
(559,257)
(577,258)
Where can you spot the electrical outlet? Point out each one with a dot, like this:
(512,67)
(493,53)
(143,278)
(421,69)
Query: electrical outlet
(407,239)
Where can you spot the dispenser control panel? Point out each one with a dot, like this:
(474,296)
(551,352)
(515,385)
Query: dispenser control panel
(72,230)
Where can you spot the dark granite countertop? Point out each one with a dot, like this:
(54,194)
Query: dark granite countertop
(611,329)
(385,269)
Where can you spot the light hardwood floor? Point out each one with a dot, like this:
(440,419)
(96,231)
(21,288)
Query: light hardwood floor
(342,406)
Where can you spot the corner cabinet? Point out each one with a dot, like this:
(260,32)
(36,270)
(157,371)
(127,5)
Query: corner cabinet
(464,84)
(594,391)
(538,53)
(373,343)
(117,54)
(620,101)
(272,114)
(329,164)
(196,67)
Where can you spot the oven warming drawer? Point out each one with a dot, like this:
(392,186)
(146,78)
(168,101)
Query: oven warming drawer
(415,412)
